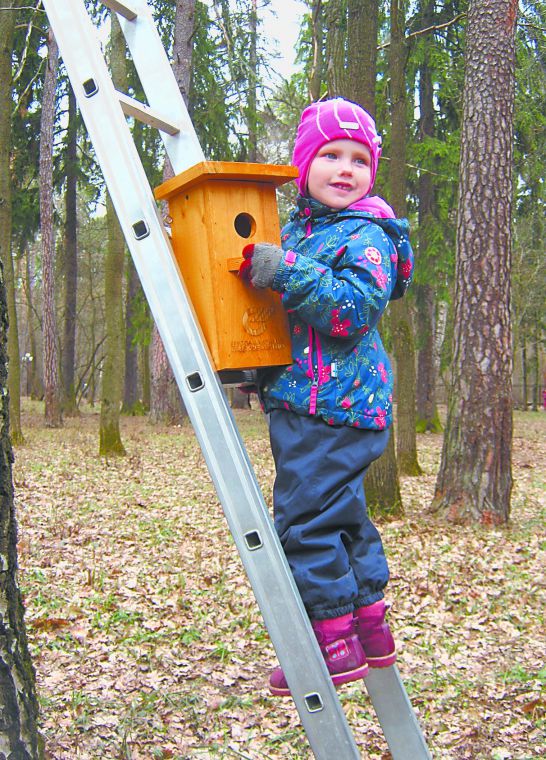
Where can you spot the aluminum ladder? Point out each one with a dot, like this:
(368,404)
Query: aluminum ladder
(104,111)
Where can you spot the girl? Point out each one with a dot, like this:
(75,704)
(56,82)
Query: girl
(343,257)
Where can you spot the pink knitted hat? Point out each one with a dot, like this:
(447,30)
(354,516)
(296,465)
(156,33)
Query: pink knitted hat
(327,120)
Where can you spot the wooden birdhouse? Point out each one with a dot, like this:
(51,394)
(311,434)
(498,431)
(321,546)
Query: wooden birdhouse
(216,208)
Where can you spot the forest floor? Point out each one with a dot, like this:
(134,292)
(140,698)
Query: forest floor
(147,641)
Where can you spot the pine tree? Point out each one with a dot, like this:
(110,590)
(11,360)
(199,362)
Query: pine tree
(53,412)
(475,478)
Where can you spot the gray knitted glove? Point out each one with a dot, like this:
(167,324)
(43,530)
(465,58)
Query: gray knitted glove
(261,261)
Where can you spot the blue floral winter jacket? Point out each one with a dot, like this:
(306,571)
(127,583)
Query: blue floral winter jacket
(337,277)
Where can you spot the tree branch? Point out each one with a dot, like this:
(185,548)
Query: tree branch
(24,8)
(532,26)
(434,28)
(27,43)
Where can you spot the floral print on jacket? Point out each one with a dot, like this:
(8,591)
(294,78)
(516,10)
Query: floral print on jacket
(338,275)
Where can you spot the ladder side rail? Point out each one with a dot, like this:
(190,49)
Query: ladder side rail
(160,86)
(396,717)
(254,534)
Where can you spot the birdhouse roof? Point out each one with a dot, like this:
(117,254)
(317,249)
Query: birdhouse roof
(213,171)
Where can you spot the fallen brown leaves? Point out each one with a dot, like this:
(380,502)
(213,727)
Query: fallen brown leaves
(147,641)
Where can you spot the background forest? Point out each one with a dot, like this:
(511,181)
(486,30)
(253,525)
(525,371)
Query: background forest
(244,111)
(88,373)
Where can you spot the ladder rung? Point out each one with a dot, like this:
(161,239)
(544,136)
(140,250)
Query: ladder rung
(144,113)
(123,9)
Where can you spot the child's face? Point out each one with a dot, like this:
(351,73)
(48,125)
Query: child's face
(340,173)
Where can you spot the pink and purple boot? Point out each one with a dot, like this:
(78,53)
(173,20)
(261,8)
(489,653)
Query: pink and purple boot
(375,635)
(341,649)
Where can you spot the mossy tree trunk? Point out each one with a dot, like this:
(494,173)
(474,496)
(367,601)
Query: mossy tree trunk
(130,386)
(399,311)
(7,27)
(535,366)
(112,369)
(113,366)
(382,484)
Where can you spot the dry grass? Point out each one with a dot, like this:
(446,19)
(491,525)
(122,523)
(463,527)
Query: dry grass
(147,641)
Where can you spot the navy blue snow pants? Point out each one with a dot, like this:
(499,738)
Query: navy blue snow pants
(333,549)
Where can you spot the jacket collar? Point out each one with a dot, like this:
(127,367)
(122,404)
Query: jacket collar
(309,208)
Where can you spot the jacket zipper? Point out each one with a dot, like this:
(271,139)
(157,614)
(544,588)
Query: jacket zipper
(313,338)
(317,376)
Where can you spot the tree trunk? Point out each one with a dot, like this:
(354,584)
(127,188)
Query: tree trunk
(524,384)
(7,27)
(70,260)
(130,387)
(34,384)
(382,485)
(53,414)
(475,478)
(535,367)
(400,314)
(89,390)
(335,47)
(362,52)
(317,31)
(252,109)
(166,405)
(112,371)
(427,413)
(146,382)
(184,24)
(19,738)
(238,399)
(428,419)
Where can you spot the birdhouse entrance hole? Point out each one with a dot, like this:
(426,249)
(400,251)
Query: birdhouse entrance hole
(245,225)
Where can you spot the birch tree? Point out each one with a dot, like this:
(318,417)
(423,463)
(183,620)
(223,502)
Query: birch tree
(19,736)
